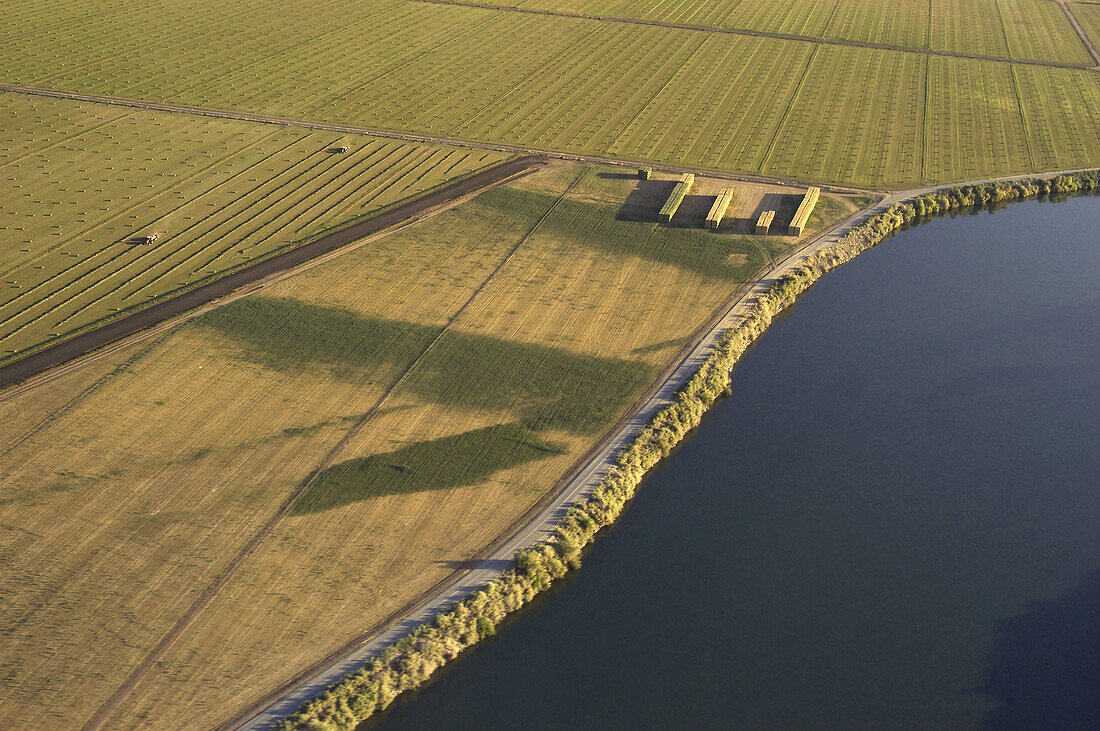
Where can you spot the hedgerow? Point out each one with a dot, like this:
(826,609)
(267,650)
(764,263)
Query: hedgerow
(409,662)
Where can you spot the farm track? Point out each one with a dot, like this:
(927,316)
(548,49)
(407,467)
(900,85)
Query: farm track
(102,715)
(1081,33)
(538,523)
(104,335)
(778,36)
(414,137)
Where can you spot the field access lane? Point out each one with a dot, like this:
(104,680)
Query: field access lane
(749,32)
(63,352)
(407,136)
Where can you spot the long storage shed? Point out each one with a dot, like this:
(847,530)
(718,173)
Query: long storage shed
(676,197)
(718,210)
(805,208)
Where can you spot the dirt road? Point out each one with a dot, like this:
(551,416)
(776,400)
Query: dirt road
(767,34)
(113,331)
(407,136)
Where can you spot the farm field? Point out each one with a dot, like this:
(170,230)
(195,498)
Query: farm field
(438,380)
(83,184)
(1088,15)
(1034,30)
(710,101)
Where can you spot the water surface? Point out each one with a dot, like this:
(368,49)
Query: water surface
(893,523)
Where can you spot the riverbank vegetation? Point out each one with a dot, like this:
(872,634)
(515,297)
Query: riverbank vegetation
(371,423)
(410,661)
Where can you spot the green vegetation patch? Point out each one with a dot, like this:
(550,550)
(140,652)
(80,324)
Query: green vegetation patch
(795,109)
(436,464)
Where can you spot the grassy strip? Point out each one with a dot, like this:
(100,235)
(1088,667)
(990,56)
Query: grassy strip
(409,662)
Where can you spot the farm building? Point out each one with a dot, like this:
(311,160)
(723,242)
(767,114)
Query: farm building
(764,223)
(668,210)
(805,208)
(718,210)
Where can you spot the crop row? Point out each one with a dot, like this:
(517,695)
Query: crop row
(218,197)
(855,115)
(1023,29)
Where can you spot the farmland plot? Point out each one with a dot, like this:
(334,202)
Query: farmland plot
(129,486)
(1020,29)
(84,186)
(1088,15)
(1038,29)
(846,92)
(1065,101)
(656,94)
(978,132)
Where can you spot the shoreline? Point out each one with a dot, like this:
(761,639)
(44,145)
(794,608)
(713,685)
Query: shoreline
(379,669)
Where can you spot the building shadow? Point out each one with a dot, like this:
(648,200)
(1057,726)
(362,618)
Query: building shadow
(645,201)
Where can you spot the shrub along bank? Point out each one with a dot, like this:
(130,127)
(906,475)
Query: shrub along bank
(407,663)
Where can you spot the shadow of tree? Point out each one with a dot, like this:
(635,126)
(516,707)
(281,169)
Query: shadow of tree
(547,387)
(1045,668)
(437,464)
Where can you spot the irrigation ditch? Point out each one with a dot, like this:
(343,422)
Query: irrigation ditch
(407,663)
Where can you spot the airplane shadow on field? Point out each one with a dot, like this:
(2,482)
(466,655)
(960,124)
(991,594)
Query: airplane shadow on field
(546,387)
(436,464)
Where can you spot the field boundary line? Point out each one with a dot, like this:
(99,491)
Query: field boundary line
(430,139)
(1089,45)
(754,33)
(223,577)
(532,525)
(18,376)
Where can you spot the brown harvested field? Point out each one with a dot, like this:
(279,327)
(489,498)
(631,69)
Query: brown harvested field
(130,485)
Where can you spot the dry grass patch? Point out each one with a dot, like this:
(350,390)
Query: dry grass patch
(170,468)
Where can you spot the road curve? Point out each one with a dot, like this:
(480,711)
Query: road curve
(103,335)
(576,485)
(540,526)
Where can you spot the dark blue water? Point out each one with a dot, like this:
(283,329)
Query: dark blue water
(893,523)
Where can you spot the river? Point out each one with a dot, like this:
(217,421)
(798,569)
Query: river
(894,522)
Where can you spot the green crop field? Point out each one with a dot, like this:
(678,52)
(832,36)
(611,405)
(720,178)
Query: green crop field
(692,98)
(265,482)
(83,184)
(1088,15)
(1020,29)
(129,485)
